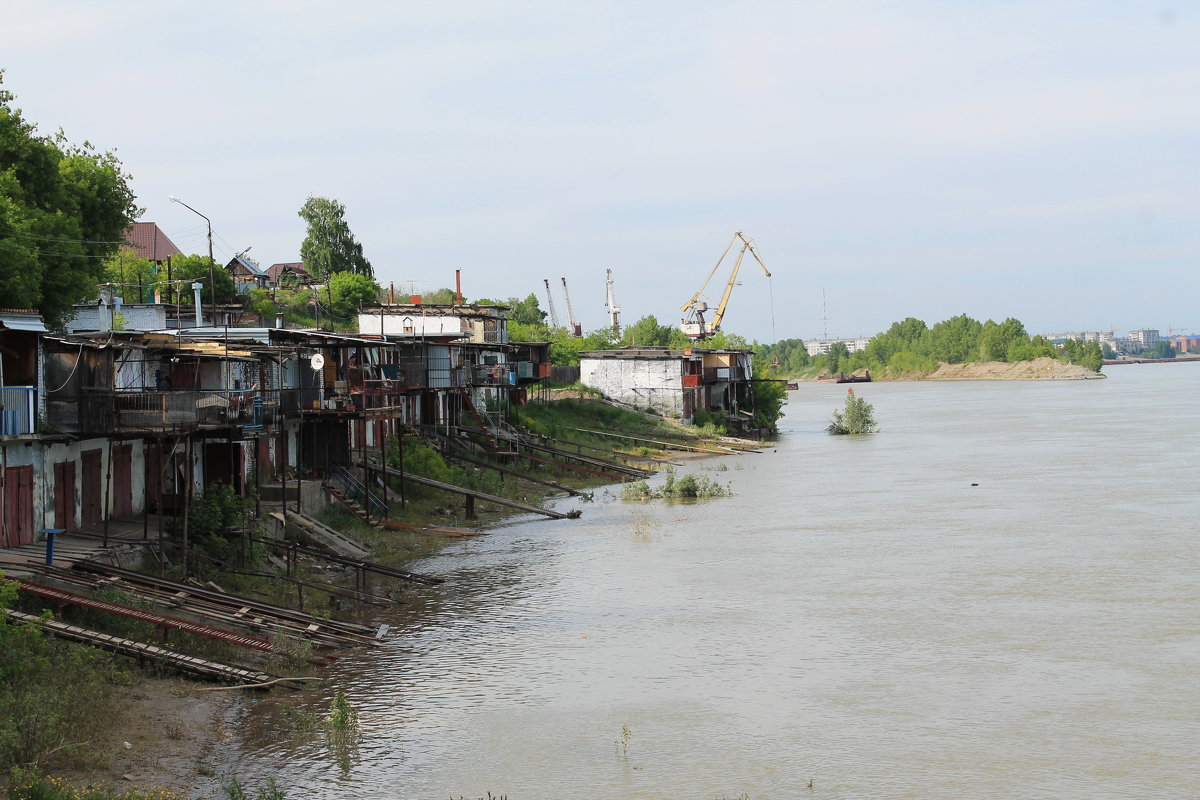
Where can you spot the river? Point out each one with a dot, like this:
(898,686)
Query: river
(996,596)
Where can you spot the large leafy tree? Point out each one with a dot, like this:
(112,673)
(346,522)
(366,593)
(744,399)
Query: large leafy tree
(64,209)
(349,290)
(329,246)
(186,270)
(134,277)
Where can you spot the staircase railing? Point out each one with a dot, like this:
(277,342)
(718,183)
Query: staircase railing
(352,488)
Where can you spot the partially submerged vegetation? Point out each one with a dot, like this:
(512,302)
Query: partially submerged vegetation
(856,417)
(689,487)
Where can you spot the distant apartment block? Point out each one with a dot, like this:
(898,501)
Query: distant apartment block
(1185,344)
(819,347)
(1144,337)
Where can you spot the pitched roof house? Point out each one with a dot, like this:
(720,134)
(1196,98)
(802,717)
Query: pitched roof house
(148,240)
(275,272)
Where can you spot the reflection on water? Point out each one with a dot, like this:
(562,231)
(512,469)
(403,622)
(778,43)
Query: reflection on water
(858,614)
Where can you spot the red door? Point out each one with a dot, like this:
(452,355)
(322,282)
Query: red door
(122,480)
(262,459)
(64,495)
(93,477)
(18,505)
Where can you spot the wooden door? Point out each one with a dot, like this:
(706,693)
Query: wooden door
(64,495)
(262,459)
(92,489)
(122,480)
(18,505)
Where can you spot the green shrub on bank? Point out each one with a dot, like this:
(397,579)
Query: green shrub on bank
(59,789)
(55,697)
(711,423)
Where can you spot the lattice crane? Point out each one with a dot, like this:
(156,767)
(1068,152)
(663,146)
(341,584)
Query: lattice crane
(694,324)
(576,328)
(550,301)
(610,305)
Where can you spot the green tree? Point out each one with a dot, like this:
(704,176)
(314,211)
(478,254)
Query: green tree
(195,269)
(768,397)
(348,290)
(838,352)
(857,416)
(64,209)
(329,246)
(955,340)
(135,277)
(996,340)
(646,332)
(440,297)
(527,311)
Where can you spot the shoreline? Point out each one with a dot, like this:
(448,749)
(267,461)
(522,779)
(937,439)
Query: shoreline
(1038,369)
(173,736)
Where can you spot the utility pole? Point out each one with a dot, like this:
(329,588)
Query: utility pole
(212,281)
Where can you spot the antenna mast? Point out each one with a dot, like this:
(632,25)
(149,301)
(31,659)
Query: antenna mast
(824,314)
(610,304)
(576,328)
(550,300)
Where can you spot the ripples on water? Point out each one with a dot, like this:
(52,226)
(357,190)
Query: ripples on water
(857,614)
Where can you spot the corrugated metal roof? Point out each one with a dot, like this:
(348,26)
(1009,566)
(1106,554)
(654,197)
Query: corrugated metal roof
(18,321)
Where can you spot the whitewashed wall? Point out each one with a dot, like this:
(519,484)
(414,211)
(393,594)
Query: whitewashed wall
(646,383)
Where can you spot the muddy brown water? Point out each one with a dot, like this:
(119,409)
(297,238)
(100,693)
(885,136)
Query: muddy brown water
(859,614)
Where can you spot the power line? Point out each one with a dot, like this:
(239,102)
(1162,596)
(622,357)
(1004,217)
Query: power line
(40,252)
(60,239)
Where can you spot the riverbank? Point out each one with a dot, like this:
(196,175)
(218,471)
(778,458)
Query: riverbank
(170,732)
(1038,369)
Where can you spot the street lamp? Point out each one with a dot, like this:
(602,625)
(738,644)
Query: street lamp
(212,280)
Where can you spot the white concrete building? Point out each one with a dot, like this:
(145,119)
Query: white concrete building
(673,383)
(819,347)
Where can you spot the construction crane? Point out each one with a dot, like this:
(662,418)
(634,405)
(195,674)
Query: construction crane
(694,324)
(610,305)
(576,328)
(550,300)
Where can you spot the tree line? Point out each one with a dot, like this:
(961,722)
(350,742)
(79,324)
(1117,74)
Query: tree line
(911,347)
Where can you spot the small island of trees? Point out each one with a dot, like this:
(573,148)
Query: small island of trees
(910,348)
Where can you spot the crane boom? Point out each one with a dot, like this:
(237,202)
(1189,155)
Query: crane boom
(550,301)
(693,324)
(576,328)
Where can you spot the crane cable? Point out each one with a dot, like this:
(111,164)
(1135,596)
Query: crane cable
(771,293)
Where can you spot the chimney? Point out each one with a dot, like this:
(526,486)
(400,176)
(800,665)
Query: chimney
(458,287)
(196,287)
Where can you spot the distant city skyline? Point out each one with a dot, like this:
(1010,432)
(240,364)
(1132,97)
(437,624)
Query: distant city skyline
(1027,159)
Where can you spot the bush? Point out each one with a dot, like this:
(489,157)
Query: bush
(858,416)
(55,697)
(690,486)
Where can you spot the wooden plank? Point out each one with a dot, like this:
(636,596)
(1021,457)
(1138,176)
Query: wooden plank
(490,498)
(715,450)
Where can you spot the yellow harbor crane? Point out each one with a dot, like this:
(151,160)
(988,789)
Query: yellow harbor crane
(694,324)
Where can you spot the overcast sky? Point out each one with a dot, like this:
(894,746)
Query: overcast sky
(927,159)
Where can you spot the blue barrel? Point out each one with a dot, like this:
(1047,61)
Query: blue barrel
(50,534)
